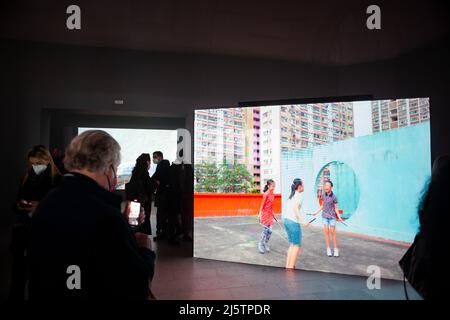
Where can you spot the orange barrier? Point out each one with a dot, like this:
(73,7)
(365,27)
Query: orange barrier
(230,204)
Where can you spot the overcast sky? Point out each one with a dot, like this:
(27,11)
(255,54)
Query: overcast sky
(362,115)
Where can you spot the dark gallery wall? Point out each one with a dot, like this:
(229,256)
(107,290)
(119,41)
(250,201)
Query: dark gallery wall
(47,89)
(37,78)
(40,79)
(424,72)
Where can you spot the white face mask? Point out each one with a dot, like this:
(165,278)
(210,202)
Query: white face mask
(39,168)
(155,161)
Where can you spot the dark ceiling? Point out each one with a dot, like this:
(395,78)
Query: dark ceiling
(326,32)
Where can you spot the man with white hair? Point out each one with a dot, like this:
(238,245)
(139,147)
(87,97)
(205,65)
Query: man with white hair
(81,245)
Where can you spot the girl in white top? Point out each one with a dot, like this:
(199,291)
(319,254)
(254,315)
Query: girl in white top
(293,207)
(292,220)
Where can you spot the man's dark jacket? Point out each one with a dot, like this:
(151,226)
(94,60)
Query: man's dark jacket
(162,174)
(79,225)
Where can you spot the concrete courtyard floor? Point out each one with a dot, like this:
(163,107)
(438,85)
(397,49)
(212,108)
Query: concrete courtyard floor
(235,239)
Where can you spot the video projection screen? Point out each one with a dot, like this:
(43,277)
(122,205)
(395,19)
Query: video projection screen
(376,154)
(134,142)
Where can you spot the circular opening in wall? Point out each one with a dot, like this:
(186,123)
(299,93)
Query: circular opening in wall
(345,186)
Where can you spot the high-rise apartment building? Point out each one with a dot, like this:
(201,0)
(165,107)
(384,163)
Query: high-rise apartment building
(252,128)
(229,136)
(392,114)
(292,127)
(270,146)
(220,136)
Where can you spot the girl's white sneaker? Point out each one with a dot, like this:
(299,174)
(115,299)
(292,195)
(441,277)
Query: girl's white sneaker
(329,252)
(336,252)
(261,248)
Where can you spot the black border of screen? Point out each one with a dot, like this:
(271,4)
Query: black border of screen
(262,103)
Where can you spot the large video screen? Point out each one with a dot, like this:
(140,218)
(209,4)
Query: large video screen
(362,166)
(134,142)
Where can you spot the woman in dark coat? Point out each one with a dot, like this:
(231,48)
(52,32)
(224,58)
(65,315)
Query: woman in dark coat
(41,177)
(140,188)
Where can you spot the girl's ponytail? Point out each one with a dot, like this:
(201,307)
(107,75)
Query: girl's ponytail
(268,183)
(297,183)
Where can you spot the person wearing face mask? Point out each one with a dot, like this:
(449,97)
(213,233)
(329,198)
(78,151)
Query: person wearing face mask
(41,177)
(79,228)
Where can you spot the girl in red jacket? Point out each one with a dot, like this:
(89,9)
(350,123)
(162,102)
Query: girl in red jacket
(266,215)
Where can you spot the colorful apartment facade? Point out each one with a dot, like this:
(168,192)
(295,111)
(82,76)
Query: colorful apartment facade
(256,136)
(293,127)
(393,114)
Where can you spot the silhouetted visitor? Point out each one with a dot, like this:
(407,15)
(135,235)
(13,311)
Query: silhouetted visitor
(425,264)
(165,218)
(182,197)
(41,176)
(140,188)
(81,246)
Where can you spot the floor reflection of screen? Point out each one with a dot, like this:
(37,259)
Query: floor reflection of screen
(134,142)
(375,153)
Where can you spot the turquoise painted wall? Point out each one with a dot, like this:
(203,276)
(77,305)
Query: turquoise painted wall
(346,185)
(391,169)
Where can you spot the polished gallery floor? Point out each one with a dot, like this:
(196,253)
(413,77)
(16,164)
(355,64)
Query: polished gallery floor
(180,276)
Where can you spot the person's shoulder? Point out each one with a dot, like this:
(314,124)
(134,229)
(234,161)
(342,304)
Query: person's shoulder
(112,213)
(295,197)
(112,221)
(54,202)
(166,162)
(55,194)
(57,179)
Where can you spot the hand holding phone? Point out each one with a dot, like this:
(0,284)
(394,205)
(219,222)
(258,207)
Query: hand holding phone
(141,218)
(24,205)
(135,209)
